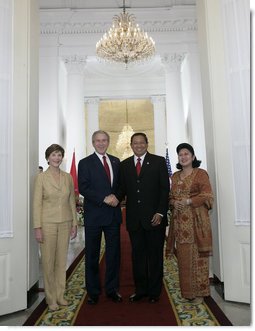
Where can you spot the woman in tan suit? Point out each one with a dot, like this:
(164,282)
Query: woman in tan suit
(55,221)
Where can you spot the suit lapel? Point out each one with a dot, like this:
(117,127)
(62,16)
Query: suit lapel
(62,179)
(146,164)
(99,166)
(52,181)
(131,167)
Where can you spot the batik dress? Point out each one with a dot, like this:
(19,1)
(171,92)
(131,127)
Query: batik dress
(190,232)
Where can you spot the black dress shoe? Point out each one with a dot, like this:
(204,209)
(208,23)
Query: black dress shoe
(92,300)
(153,299)
(115,296)
(136,297)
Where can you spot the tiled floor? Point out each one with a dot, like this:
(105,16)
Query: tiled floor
(239,314)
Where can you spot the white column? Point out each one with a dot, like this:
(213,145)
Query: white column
(75,112)
(49,128)
(176,132)
(159,105)
(194,106)
(92,121)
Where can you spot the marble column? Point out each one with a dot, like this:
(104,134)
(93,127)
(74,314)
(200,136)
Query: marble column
(159,105)
(92,121)
(75,111)
(176,131)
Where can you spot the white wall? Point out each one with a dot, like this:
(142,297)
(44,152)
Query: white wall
(193,105)
(231,242)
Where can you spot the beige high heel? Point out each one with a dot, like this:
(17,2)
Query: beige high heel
(54,307)
(63,302)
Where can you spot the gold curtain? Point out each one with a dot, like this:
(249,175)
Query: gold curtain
(112,118)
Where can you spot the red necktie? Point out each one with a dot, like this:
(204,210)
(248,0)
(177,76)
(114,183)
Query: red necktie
(107,169)
(138,166)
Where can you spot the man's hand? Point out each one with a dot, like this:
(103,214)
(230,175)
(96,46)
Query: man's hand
(111,200)
(156,220)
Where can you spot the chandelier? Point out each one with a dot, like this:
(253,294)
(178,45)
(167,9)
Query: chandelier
(125,42)
(123,143)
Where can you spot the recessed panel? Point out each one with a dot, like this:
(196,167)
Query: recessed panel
(4,275)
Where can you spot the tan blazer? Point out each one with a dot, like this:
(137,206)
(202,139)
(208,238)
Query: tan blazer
(53,203)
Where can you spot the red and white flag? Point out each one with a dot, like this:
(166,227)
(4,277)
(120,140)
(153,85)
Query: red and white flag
(73,173)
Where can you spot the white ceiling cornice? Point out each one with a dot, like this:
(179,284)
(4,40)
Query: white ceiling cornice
(85,21)
(179,25)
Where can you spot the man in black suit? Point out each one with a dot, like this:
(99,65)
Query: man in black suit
(98,176)
(145,183)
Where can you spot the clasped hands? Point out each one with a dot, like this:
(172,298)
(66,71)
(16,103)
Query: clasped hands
(180,204)
(111,200)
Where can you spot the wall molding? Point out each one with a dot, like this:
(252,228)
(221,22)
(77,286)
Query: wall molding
(76,28)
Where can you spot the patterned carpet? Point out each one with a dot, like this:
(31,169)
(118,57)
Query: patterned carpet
(186,314)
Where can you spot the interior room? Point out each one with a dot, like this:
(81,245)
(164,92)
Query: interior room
(56,87)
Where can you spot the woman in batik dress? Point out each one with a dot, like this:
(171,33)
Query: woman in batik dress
(191,198)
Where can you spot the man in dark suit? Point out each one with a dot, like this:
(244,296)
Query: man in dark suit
(145,183)
(98,176)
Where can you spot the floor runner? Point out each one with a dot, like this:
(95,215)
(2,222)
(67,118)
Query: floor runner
(142,313)
(169,311)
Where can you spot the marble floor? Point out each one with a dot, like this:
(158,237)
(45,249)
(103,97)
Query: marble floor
(239,314)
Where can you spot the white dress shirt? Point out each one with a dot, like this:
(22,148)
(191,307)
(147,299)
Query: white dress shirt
(108,162)
(141,159)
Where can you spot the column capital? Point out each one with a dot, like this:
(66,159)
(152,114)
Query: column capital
(158,99)
(173,61)
(75,64)
(92,101)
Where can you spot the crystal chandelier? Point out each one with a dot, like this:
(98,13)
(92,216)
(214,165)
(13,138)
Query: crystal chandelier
(123,143)
(125,42)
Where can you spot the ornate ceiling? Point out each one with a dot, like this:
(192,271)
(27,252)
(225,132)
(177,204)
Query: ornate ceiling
(76,16)
(112,4)
(74,26)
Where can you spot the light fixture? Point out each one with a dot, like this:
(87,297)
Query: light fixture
(125,42)
(123,143)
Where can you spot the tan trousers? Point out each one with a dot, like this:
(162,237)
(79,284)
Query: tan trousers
(54,251)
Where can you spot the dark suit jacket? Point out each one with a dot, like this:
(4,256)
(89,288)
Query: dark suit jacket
(94,185)
(146,194)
